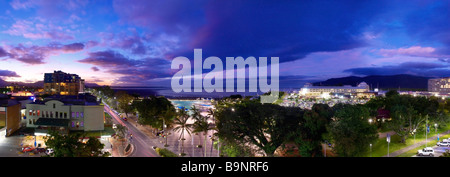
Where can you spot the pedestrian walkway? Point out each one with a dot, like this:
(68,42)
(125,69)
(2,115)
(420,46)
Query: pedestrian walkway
(406,149)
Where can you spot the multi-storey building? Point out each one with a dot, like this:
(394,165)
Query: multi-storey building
(65,113)
(9,115)
(441,85)
(61,83)
(310,90)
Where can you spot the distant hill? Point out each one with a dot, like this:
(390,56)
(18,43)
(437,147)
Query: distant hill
(390,81)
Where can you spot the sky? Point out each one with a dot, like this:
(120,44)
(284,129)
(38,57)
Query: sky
(133,42)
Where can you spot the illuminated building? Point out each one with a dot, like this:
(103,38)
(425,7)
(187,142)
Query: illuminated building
(325,91)
(61,83)
(65,113)
(441,85)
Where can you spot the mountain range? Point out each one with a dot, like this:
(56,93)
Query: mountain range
(378,81)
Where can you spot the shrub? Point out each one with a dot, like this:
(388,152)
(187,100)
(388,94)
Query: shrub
(165,152)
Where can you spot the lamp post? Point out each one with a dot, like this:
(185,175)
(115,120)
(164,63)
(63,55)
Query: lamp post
(435,128)
(370,149)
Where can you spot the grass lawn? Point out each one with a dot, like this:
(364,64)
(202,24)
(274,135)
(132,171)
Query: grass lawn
(379,148)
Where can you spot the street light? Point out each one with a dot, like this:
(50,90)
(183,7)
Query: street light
(370,149)
(435,128)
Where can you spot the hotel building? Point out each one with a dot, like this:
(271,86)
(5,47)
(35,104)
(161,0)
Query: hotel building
(61,83)
(310,90)
(65,113)
(441,85)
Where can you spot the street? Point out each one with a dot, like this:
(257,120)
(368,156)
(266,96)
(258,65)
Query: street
(143,142)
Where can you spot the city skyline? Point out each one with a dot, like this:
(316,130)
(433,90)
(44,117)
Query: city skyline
(132,43)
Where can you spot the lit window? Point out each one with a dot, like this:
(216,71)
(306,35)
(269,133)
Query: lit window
(81,114)
(78,114)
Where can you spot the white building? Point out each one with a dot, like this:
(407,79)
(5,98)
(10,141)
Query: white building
(310,90)
(65,113)
(440,85)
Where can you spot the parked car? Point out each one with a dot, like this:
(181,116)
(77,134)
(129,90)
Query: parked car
(428,151)
(125,119)
(443,143)
(27,149)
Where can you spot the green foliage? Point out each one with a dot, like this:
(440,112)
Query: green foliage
(351,131)
(312,126)
(201,124)
(252,123)
(124,101)
(71,145)
(165,152)
(155,111)
(181,125)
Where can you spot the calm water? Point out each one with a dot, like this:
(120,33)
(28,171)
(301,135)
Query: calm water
(167,92)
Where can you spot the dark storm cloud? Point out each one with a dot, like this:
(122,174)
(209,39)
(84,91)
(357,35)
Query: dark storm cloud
(242,28)
(414,68)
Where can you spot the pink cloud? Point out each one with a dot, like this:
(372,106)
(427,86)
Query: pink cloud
(411,51)
(37,54)
(32,30)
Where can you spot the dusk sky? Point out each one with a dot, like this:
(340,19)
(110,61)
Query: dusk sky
(132,43)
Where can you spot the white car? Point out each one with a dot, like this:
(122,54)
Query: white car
(428,151)
(49,151)
(443,143)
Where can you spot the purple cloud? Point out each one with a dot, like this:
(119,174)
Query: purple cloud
(7,73)
(108,58)
(414,68)
(37,54)
(95,69)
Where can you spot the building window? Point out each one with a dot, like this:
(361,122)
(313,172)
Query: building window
(54,105)
(82,124)
(65,114)
(78,114)
(56,114)
(73,124)
(81,114)
(61,115)
(30,113)
(73,115)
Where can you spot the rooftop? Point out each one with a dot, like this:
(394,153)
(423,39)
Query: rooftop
(80,99)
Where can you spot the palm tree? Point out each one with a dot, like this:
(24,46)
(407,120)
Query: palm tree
(201,124)
(180,123)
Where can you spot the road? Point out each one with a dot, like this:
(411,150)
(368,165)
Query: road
(142,143)
(438,151)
